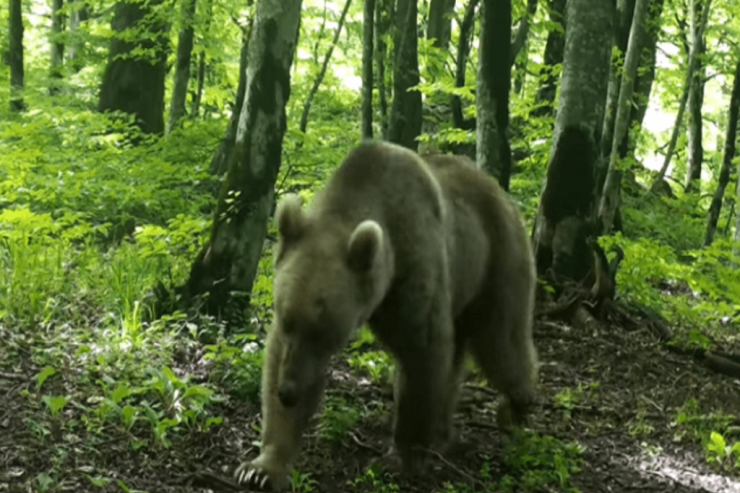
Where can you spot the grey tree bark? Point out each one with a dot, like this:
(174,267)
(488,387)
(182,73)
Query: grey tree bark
(382,27)
(696,100)
(201,77)
(368,30)
(405,117)
(228,264)
(78,13)
(182,65)
(439,23)
(135,85)
(731,136)
(553,56)
(690,71)
(625,13)
(520,46)
(492,90)
(57,46)
(568,196)
(610,195)
(15,56)
(324,66)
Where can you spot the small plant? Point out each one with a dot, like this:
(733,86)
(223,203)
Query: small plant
(378,365)
(338,419)
(719,452)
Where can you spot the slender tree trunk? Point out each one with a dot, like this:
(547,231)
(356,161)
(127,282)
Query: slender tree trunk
(492,91)
(367,69)
(223,155)
(690,70)
(439,24)
(567,202)
(405,118)
(15,55)
(317,83)
(57,46)
(134,84)
(463,49)
(521,34)
(78,14)
(198,96)
(382,26)
(610,195)
(625,14)
(645,74)
(730,150)
(182,65)
(228,264)
(696,100)
(554,48)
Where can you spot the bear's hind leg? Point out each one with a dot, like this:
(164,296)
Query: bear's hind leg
(282,427)
(502,346)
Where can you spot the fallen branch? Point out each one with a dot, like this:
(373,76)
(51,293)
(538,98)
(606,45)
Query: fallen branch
(12,376)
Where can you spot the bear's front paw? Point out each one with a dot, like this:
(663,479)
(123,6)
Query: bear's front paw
(261,474)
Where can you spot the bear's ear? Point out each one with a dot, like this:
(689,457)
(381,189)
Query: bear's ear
(365,246)
(290,219)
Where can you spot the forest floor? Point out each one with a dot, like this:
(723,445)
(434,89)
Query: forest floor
(637,410)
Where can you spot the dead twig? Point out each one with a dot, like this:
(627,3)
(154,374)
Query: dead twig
(13,376)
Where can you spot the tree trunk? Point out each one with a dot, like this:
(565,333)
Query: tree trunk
(182,65)
(405,118)
(382,26)
(198,96)
(57,46)
(568,197)
(492,91)
(625,14)
(368,29)
(320,78)
(15,55)
(521,34)
(724,174)
(612,186)
(554,48)
(222,157)
(134,84)
(439,24)
(228,264)
(78,14)
(645,74)
(696,101)
(463,49)
(690,70)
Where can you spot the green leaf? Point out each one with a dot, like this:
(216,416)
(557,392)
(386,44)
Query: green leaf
(44,375)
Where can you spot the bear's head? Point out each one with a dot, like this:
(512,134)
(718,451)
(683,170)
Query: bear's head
(329,277)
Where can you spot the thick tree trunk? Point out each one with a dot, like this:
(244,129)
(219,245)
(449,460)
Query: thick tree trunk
(492,91)
(439,24)
(405,117)
(690,71)
(182,64)
(696,101)
(15,55)
(324,66)
(724,174)
(382,26)
(57,46)
(625,13)
(567,202)
(554,47)
(463,50)
(610,195)
(135,85)
(78,14)
(645,74)
(368,29)
(228,264)
(222,157)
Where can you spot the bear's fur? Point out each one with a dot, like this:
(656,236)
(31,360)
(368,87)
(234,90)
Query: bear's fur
(432,254)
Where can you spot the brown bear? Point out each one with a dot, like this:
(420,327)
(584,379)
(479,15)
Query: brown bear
(435,258)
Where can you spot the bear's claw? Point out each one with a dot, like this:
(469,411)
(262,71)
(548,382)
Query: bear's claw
(252,474)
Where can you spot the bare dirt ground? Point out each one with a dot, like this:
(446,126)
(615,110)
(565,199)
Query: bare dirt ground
(616,393)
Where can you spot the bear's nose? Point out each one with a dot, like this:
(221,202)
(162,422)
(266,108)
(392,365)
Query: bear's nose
(288,394)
